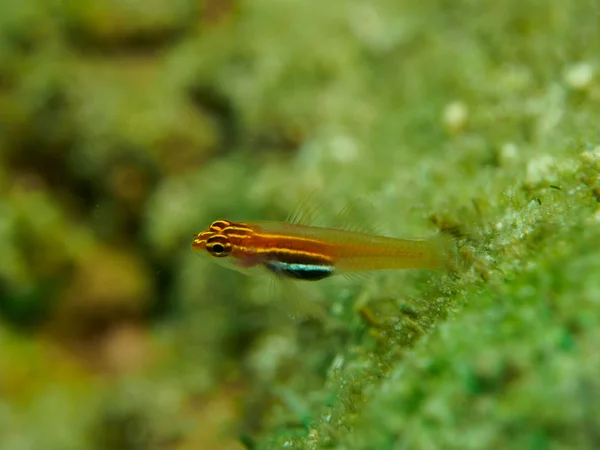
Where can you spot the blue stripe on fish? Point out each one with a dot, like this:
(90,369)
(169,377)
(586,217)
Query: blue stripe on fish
(300,271)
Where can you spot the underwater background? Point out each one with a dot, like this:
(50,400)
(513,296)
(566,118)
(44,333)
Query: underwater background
(126,127)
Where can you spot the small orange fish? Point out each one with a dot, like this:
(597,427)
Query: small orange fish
(310,253)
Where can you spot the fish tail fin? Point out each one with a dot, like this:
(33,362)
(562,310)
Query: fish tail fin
(444,253)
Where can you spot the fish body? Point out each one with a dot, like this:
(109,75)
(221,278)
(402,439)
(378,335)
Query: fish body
(310,253)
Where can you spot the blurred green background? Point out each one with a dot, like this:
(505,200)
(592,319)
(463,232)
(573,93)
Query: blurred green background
(126,127)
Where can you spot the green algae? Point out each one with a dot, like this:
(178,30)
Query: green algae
(125,130)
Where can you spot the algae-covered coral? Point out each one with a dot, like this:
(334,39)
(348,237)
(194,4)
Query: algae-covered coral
(125,128)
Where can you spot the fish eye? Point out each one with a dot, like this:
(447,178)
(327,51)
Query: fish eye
(218,246)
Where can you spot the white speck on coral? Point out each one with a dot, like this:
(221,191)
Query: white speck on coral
(455,116)
(540,169)
(337,363)
(343,149)
(579,76)
(592,157)
(509,153)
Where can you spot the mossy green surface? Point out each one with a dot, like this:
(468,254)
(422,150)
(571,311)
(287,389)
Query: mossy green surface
(126,128)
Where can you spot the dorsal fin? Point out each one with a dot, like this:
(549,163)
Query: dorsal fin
(358,216)
(307,212)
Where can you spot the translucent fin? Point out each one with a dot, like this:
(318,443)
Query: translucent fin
(299,301)
(358,216)
(308,211)
(358,276)
(447,251)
